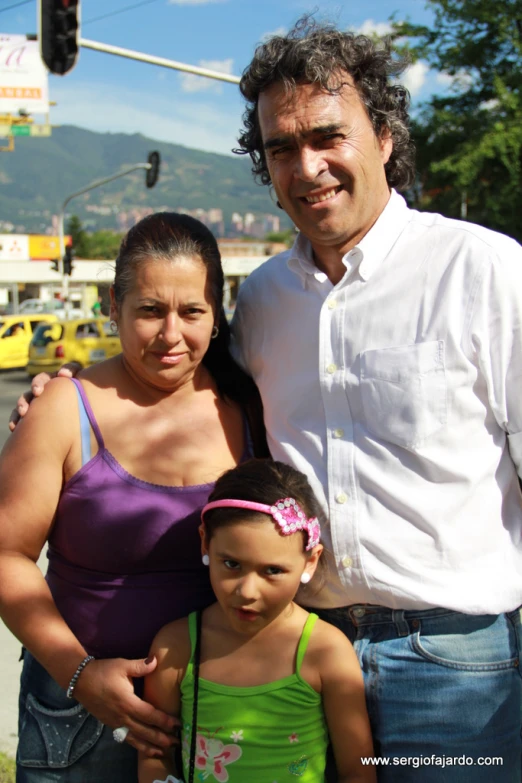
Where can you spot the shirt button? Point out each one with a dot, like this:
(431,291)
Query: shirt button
(358,612)
(332,304)
(347,562)
(331,368)
(338,433)
(341,497)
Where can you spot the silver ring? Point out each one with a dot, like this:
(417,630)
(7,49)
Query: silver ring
(120,734)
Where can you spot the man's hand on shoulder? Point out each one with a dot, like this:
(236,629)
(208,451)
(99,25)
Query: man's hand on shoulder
(37,386)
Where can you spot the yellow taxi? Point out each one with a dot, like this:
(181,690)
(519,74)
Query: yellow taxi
(83,340)
(16,332)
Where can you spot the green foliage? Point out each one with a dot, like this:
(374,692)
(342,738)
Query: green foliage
(469,140)
(104,244)
(80,240)
(282,236)
(7,769)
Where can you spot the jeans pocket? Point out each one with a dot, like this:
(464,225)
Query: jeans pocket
(403,392)
(483,643)
(55,738)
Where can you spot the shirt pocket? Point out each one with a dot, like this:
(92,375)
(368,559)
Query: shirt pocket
(403,392)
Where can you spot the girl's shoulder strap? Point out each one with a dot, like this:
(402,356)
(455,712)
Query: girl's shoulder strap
(303,641)
(193,633)
(194,625)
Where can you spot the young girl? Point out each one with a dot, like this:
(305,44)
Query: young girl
(275,683)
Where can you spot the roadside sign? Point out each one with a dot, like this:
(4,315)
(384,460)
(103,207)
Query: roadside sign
(24,130)
(23,76)
(20,130)
(40,130)
(14,247)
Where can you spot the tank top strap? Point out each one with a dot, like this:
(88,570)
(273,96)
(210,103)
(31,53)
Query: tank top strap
(193,633)
(303,641)
(90,415)
(85,430)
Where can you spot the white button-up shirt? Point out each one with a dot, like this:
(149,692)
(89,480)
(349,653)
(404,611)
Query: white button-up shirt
(398,392)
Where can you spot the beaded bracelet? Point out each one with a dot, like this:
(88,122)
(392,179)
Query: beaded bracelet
(74,678)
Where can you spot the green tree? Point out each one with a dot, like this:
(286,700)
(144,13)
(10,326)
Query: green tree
(104,244)
(80,239)
(469,140)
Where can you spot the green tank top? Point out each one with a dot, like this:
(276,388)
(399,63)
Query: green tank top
(268,733)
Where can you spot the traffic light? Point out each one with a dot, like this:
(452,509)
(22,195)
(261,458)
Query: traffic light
(56,266)
(68,261)
(59,34)
(152,174)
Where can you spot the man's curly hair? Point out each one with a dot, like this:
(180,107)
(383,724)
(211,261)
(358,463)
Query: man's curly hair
(320,54)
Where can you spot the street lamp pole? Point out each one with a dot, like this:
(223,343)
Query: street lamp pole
(162,61)
(61,220)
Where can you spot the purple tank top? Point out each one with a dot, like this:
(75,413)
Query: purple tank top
(124,554)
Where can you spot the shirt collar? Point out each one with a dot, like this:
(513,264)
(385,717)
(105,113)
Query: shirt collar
(369,253)
(301,260)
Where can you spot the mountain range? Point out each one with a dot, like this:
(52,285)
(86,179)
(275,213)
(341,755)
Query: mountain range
(41,172)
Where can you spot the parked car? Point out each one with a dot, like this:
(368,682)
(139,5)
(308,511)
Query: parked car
(16,332)
(84,340)
(56,306)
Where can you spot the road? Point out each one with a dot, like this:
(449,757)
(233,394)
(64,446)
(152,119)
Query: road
(12,383)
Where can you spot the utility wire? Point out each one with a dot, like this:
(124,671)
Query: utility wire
(94,19)
(16,5)
(114,13)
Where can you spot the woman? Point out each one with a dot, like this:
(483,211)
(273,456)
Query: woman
(113,472)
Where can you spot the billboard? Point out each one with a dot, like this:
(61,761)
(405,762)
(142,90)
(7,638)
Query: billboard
(14,247)
(31,247)
(23,77)
(42,247)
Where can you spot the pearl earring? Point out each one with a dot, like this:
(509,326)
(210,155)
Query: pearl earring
(205,559)
(305,578)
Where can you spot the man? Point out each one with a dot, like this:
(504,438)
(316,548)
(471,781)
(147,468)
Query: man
(96,309)
(387,347)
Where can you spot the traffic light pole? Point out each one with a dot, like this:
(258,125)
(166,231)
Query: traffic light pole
(61,220)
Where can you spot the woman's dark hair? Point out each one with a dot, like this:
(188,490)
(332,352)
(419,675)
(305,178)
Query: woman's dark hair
(321,54)
(166,236)
(260,481)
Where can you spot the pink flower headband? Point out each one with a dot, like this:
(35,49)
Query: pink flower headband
(286,512)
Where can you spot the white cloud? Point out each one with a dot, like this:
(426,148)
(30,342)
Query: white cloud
(192,83)
(414,77)
(444,79)
(493,103)
(193,124)
(277,31)
(458,81)
(369,27)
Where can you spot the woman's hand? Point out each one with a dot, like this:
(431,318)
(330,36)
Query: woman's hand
(106,689)
(37,386)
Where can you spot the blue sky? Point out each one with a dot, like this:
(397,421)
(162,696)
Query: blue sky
(108,93)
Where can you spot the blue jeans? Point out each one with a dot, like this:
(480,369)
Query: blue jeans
(60,742)
(443,690)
